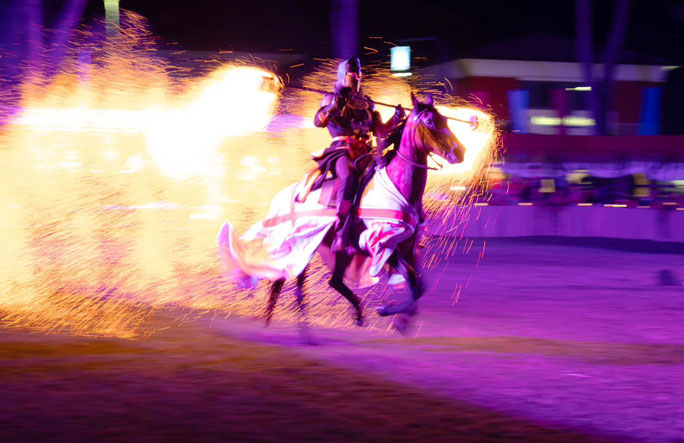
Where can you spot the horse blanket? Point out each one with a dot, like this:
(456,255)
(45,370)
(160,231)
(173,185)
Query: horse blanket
(281,245)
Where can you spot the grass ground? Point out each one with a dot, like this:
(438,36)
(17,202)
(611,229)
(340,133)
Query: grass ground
(547,342)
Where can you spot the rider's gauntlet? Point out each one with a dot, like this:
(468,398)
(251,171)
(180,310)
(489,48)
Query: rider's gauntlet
(328,112)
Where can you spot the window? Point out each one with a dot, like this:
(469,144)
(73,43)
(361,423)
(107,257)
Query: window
(541,95)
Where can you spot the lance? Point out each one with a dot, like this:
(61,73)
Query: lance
(473,122)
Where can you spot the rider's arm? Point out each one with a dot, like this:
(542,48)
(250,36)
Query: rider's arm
(330,106)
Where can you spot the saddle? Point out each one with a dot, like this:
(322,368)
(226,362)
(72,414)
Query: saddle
(329,189)
(329,186)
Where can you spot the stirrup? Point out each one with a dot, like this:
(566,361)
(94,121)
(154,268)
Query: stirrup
(344,243)
(338,243)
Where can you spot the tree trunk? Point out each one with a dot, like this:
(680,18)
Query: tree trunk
(344,28)
(613,48)
(585,53)
(71,14)
(34,36)
(600,97)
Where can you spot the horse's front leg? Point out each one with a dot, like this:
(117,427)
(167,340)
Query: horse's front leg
(407,270)
(342,260)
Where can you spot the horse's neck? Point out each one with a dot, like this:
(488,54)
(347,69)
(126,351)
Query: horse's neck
(410,180)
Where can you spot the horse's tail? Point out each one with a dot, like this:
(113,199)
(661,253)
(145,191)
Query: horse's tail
(226,240)
(279,246)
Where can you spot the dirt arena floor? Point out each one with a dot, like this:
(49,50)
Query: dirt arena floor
(572,340)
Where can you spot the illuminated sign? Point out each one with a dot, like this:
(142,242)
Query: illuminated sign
(401,58)
(565,121)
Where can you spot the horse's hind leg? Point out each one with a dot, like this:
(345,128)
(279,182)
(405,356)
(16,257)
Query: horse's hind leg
(336,282)
(303,324)
(276,287)
(301,279)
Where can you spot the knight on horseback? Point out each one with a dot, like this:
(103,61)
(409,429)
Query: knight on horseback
(352,121)
(299,220)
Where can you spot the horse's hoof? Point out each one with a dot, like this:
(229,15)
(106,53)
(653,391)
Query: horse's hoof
(359,320)
(393,309)
(384,311)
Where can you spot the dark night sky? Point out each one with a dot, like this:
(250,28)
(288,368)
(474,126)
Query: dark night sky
(656,26)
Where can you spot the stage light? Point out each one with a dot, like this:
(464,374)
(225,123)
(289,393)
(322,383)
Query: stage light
(400,58)
(112,18)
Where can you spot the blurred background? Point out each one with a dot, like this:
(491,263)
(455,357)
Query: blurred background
(588,96)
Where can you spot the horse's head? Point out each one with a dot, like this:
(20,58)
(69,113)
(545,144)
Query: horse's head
(431,132)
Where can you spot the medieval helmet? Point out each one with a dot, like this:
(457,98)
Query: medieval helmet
(349,74)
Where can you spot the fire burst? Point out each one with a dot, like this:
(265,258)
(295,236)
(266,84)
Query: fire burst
(115,186)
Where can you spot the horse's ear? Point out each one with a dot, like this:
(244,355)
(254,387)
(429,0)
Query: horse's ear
(429,100)
(414,100)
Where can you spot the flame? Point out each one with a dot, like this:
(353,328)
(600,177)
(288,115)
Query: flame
(476,140)
(114,188)
(184,142)
(182,138)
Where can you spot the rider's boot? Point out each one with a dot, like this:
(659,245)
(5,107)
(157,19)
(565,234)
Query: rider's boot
(337,243)
(352,243)
(343,211)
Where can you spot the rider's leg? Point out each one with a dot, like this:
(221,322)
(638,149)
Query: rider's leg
(348,178)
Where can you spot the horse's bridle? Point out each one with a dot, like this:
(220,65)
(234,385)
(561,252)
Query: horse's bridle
(415,119)
(418,164)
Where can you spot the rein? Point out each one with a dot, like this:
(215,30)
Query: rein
(417,164)
(436,162)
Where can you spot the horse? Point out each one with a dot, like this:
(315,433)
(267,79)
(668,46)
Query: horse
(387,222)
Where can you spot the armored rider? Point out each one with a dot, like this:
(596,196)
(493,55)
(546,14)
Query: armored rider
(352,120)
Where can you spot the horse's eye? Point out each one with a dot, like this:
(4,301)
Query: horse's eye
(430,122)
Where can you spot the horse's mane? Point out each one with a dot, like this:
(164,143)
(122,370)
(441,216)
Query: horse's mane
(394,137)
(394,140)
